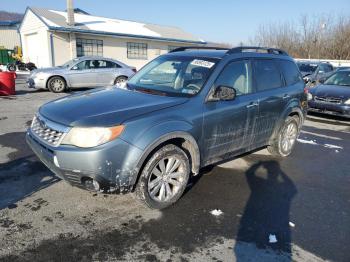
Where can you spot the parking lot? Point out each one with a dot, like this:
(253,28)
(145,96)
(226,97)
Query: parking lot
(45,219)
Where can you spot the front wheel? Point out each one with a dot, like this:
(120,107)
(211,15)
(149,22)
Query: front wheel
(286,138)
(164,177)
(56,84)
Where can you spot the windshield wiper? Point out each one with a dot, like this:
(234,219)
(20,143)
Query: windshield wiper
(150,91)
(145,90)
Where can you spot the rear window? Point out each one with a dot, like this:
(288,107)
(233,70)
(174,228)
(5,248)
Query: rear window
(290,72)
(267,75)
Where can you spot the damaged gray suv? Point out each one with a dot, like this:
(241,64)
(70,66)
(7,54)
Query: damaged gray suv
(184,110)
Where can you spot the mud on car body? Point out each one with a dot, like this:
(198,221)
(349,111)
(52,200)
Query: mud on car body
(182,111)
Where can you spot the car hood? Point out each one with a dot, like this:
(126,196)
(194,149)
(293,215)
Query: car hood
(105,107)
(331,91)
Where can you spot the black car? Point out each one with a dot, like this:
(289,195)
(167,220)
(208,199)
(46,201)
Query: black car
(325,76)
(333,96)
(313,71)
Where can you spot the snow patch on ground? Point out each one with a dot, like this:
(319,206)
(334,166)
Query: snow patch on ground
(332,146)
(216,212)
(303,141)
(313,142)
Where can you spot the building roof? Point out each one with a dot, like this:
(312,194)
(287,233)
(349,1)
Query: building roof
(9,23)
(84,23)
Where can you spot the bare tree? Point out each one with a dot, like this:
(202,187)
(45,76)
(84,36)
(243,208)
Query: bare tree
(310,37)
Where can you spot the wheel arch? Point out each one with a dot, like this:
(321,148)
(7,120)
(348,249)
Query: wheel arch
(61,76)
(292,110)
(181,139)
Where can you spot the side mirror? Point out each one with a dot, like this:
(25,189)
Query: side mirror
(74,68)
(225,93)
(321,80)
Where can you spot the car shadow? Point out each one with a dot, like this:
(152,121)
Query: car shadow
(265,220)
(22,174)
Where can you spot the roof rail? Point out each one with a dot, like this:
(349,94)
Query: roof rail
(184,48)
(269,50)
(234,50)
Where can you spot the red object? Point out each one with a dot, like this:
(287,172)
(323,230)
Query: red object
(7,83)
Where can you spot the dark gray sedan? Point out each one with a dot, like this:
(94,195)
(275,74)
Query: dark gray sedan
(333,96)
(87,71)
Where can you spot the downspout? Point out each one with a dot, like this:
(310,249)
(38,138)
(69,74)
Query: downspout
(52,50)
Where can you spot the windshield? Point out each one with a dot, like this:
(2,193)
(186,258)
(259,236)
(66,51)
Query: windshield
(307,67)
(340,78)
(69,63)
(175,76)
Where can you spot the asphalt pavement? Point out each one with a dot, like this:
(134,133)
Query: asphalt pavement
(253,208)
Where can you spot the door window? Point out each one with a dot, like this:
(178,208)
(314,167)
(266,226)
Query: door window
(267,75)
(82,65)
(236,74)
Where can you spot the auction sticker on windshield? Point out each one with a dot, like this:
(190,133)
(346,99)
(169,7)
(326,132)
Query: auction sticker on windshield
(202,63)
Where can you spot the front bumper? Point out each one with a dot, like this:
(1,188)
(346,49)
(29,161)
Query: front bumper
(36,83)
(329,108)
(112,165)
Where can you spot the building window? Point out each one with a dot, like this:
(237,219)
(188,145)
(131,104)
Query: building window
(137,50)
(89,47)
(172,47)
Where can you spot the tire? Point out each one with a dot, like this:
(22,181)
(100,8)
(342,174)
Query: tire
(56,84)
(11,68)
(120,80)
(157,189)
(286,138)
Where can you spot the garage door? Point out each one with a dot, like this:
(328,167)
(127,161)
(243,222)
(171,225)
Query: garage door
(33,49)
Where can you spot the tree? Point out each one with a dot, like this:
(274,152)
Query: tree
(310,37)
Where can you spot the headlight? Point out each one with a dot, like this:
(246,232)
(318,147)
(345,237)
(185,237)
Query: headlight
(91,136)
(309,96)
(347,102)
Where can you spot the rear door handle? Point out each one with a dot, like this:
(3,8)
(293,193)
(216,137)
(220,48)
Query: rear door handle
(286,96)
(253,104)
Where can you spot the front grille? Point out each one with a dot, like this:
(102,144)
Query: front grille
(44,131)
(332,100)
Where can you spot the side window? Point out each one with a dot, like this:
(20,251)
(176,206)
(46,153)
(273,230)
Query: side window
(82,65)
(97,64)
(321,69)
(110,64)
(329,68)
(290,72)
(237,75)
(267,75)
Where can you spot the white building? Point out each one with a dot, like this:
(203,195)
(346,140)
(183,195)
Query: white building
(9,36)
(50,38)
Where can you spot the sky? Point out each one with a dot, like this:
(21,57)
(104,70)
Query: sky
(226,21)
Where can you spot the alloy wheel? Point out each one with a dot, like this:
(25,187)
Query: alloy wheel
(166,179)
(57,85)
(289,137)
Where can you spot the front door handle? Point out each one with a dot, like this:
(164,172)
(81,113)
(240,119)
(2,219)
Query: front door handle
(286,96)
(252,104)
